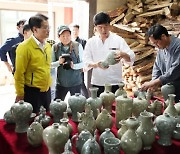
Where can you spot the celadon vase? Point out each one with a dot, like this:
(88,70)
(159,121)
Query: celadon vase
(86,120)
(110,60)
(139,105)
(94,101)
(122,129)
(68,148)
(111,145)
(170,108)
(107,98)
(91,147)
(146,130)
(42,118)
(55,138)
(124,106)
(121,90)
(131,142)
(21,112)
(103,121)
(65,122)
(106,134)
(165,125)
(57,108)
(77,104)
(166,90)
(8,117)
(34,134)
(81,139)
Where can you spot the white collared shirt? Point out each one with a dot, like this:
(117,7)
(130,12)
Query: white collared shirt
(96,51)
(41,45)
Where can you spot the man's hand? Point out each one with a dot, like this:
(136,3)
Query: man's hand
(18,98)
(119,55)
(61,60)
(9,66)
(96,65)
(151,85)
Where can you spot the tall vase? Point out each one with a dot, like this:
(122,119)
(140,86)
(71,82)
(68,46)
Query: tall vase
(57,108)
(171,109)
(76,104)
(104,120)
(21,112)
(146,130)
(107,98)
(124,106)
(165,125)
(139,105)
(131,142)
(94,101)
(166,90)
(55,138)
(121,90)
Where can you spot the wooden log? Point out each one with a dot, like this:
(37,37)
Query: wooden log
(152,13)
(145,54)
(134,44)
(137,48)
(146,67)
(156,7)
(117,19)
(128,17)
(117,11)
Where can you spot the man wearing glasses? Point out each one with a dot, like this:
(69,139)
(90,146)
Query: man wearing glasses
(33,58)
(167,64)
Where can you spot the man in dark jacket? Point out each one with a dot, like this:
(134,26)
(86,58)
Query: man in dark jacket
(6,47)
(75,37)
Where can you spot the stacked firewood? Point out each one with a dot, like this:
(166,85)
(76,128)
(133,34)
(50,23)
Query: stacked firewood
(131,21)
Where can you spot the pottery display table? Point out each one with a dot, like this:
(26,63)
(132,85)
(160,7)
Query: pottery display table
(13,143)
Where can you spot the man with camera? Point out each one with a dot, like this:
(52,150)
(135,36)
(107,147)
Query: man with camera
(67,56)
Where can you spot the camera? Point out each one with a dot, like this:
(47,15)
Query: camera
(67,62)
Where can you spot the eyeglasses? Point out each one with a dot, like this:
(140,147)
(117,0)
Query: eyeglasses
(46,27)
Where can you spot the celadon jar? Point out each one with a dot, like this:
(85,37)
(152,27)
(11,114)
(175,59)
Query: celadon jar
(55,138)
(106,134)
(42,118)
(111,145)
(81,139)
(131,142)
(103,121)
(94,101)
(166,90)
(165,125)
(146,130)
(91,147)
(21,112)
(57,108)
(34,134)
(139,105)
(107,98)
(124,106)
(86,120)
(77,104)
(122,129)
(8,117)
(121,90)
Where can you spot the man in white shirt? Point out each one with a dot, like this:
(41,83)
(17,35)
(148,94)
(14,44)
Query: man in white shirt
(97,49)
